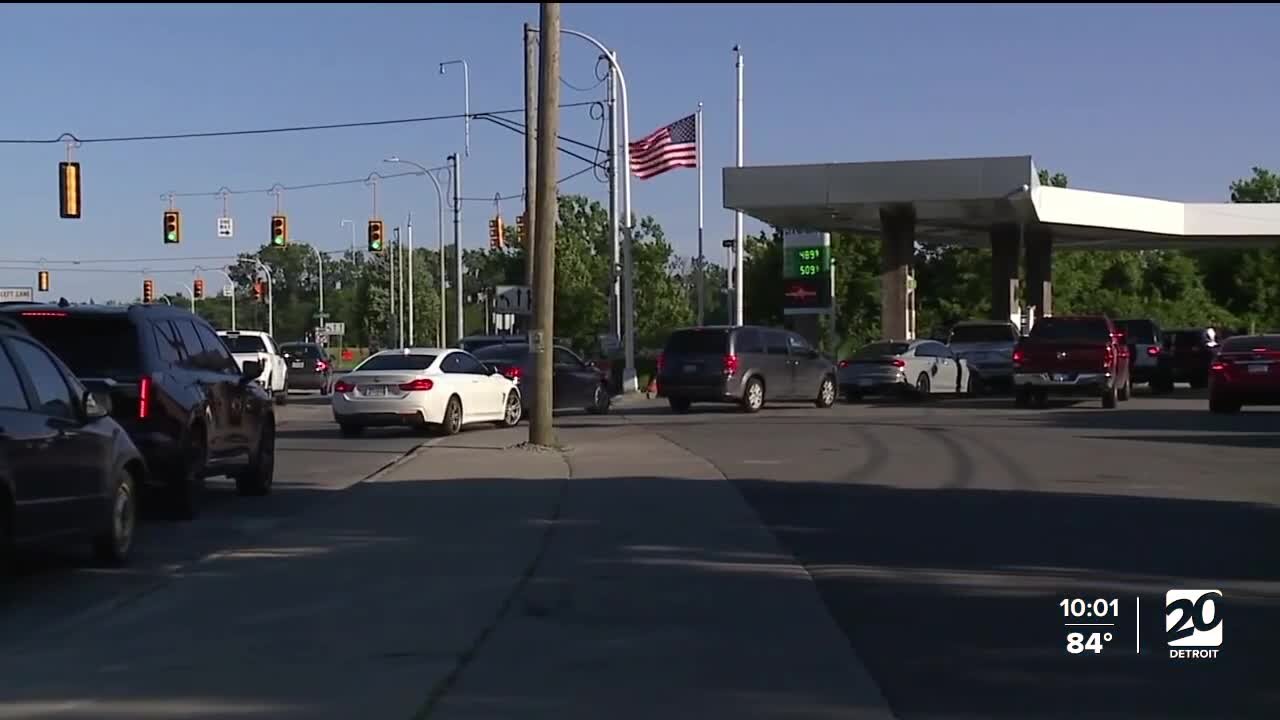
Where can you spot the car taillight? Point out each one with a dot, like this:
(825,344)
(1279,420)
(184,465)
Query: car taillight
(419,384)
(1108,357)
(1218,367)
(660,362)
(512,373)
(343,387)
(730,364)
(321,366)
(844,363)
(898,362)
(144,398)
(43,313)
(1153,351)
(1018,356)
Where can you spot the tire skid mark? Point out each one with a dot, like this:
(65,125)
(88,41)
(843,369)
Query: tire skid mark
(962,471)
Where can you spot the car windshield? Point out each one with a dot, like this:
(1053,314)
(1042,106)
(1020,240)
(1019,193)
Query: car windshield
(983,334)
(396,361)
(92,346)
(244,343)
(698,342)
(879,350)
(1078,329)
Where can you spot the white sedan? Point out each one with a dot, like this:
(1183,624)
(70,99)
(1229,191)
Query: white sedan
(423,388)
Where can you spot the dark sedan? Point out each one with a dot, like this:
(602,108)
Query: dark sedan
(575,383)
(310,366)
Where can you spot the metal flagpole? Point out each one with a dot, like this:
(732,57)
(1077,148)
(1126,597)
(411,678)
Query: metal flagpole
(739,259)
(615,233)
(409,233)
(702,289)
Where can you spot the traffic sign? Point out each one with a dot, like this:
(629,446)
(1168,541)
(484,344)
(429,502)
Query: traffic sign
(17,294)
(225,227)
(228,291)
(335,328)
(513,300)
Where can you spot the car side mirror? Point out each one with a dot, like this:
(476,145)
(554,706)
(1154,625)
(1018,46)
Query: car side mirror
(591,365)
(96,404)
(251,370)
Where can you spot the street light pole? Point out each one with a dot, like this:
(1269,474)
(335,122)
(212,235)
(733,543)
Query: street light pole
(232,282)
(466,99)
(455,169)
(430,173)
(409,233)
(628,268)
(738,240)
(353,235)
(320,263)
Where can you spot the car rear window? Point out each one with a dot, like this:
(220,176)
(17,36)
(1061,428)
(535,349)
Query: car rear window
(303,351)
(1139,331)
(983,333)
(91,345)
(1269,343)
(244,343)
(397,361)
(879,350)
(1070,329)
(698,342)
(502,352)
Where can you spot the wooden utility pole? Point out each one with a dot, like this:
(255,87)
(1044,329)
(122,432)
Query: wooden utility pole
(530,147)
(541,430)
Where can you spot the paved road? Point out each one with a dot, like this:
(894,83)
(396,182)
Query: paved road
(943,536)
(58,588)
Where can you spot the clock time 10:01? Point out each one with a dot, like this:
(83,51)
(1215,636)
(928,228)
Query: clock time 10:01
(1076,608)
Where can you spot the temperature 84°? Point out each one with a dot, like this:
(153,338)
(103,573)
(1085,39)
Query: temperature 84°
(1078,643)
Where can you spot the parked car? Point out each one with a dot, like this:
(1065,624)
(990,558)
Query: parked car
(1072,356)
(174,388)
(917,368)
(1145,348)
(1185,356)
(424,388)
(66,468)
(575,383)
(1245,372)
(310,366)
(743,365)
(987,349)
(260,347)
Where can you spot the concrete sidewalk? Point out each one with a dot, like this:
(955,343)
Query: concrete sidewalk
(661,596)
(355,609)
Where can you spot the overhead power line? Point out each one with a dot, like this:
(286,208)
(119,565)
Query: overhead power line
(71,137)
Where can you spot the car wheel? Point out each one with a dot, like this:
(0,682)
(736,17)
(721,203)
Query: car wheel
(257,479)
(112,546)
(452,421)
(753,396)
(514,410)
(1022,398)
(6,535)
(1109,398)
(1127,391)
(349,430)
(922,386)
(680,405)
(600,401)
(187,490)
(1221,405)
(826,393)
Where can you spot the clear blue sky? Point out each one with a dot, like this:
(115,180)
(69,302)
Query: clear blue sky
(1169,101)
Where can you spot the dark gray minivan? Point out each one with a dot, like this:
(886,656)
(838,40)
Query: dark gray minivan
(743,365)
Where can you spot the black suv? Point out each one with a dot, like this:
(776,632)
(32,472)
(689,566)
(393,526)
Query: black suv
(174,387)
(743,365)
(66,468)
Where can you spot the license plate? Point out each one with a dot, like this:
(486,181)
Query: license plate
(374,390)
(1061,377)
(691,368)
(1258,369)
(296,364)
(866,382)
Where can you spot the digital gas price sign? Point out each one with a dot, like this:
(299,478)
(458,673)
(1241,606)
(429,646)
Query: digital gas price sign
(806,262)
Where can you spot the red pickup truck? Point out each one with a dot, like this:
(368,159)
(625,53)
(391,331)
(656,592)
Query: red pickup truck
(1072,356)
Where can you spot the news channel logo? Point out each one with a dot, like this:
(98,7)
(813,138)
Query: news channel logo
(1193,624)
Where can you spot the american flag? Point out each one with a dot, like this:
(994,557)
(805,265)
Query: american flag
(667,148)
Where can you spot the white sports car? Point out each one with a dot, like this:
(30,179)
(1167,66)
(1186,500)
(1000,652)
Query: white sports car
(424,388)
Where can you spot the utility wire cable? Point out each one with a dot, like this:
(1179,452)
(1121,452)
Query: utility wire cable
(71,137)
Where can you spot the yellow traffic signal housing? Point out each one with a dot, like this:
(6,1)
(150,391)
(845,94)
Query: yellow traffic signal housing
(522,229)
(42,280)
(495,233)
(148,291)
(69,190)
(197,289)
(376,245)
(257,291)
(279,231)
(172,227)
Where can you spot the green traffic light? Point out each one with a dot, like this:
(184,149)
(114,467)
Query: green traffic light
(172,235)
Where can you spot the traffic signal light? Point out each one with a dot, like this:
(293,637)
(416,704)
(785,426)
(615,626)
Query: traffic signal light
(148,291)
(172,227)
(495,233)
(69,190)
(522,229)
(197,289)
(279,231)
(375,237)
(257,291)
(42,280)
